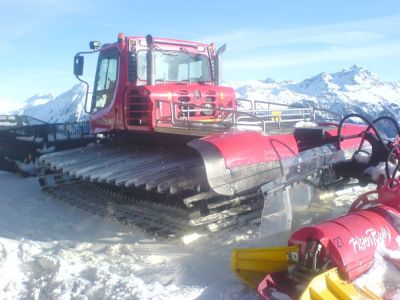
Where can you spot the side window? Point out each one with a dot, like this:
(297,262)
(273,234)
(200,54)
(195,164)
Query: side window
(106,82)
(142,65)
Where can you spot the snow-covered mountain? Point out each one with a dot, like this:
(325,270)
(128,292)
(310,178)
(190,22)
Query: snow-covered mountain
(351,90)
(68,107)
(37,100)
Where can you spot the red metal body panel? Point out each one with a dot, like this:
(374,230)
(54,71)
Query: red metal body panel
(264,148)
(136,104)
(111,117)
(250,147)
(160,99)
(351,240)
(276,284)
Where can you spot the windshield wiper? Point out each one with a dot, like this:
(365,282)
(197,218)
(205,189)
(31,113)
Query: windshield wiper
(184,50)
(170,53)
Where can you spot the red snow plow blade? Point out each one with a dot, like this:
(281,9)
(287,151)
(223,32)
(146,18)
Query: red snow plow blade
(334,253)
(336,243)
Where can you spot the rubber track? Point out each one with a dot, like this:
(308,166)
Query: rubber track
(163,217)
(151,217)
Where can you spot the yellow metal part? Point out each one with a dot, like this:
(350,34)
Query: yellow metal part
(329,285)
(251,265)
(278,115)
(216,120)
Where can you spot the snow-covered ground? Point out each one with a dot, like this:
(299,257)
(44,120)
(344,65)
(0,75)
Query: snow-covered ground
(50,250)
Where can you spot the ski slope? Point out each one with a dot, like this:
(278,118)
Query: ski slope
(50,250)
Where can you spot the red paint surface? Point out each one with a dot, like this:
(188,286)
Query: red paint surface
(350,241)
(115,117)
(250,147)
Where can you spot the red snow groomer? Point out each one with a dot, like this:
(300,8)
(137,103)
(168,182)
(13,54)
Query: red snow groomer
(175,151)
(321,261)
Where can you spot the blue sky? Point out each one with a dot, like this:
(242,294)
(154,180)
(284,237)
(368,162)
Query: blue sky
(266,39)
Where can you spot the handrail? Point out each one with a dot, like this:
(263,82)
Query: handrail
(270,103)
(228,118)
(259,118)
(189,109)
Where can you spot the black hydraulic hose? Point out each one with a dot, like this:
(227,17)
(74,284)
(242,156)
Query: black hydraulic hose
(383,118)
(387,163)
(389,119)
(370,125)
(396,125)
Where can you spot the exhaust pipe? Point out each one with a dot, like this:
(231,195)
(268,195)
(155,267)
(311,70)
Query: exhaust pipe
(218,71)
(149,60)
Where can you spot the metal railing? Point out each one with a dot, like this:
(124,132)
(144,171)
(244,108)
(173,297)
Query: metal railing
(70,129)
(9,121)
(227,118)
(262,115)
(324,114)
(24,127)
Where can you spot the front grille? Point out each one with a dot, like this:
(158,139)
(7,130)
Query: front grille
(209,99)
(138,110)
(184,99)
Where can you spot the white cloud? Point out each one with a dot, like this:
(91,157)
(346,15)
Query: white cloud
(344,43)
(356,32)
(24,18)
(300,58)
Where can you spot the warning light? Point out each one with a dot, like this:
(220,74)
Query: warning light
(212,48)
(121,40)
(121,37)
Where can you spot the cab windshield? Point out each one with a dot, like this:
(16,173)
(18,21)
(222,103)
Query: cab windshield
(175,66)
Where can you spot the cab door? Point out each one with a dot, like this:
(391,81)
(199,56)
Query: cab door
(104,92)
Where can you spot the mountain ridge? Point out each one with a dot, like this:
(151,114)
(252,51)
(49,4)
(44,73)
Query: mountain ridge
(351,90)
(355,89)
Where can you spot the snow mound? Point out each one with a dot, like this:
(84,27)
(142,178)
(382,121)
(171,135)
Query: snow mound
(50,250)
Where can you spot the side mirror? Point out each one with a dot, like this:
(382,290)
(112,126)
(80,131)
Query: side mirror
(78,65)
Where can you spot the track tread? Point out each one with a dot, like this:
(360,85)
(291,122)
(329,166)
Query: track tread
(178,200)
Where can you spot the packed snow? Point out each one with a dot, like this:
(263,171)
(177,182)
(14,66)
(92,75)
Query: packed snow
(50,250)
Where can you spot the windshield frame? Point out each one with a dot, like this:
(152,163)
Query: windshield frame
(206,75)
